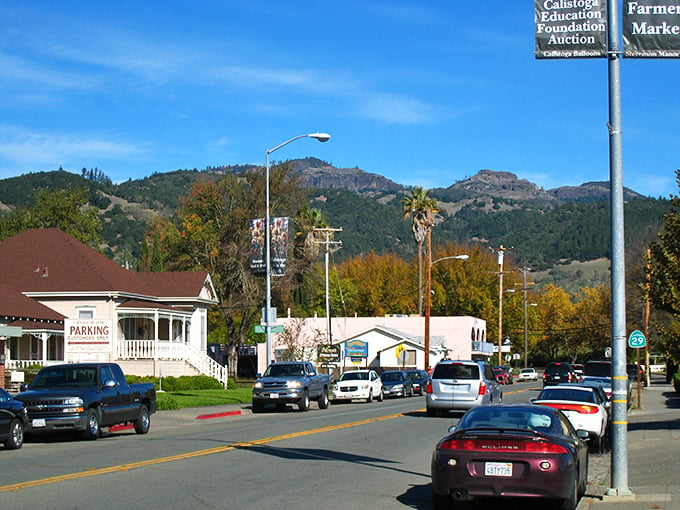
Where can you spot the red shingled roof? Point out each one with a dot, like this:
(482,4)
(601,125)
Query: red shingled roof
(14,304)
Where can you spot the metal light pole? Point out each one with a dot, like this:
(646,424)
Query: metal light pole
(501,253)
(428,297)
(268,313)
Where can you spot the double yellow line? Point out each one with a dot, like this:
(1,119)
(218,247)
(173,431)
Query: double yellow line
(189,455)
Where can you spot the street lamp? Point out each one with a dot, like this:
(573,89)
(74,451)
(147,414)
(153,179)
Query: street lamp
(428,296)
(268,312)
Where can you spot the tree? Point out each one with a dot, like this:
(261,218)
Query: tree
(419,206)
(64,209)
(664,278)
(211,233)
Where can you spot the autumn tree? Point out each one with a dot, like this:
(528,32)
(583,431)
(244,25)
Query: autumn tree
(212,234)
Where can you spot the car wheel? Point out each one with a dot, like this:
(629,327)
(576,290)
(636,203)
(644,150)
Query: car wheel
(431,411)
(91,431)
(369,399)
(584,482)
(441,502)
(410,392)
(16,435)
(381,396)
(500,398)
(257,406)
(571,502)
(303,404)
(143,422)
(323,400)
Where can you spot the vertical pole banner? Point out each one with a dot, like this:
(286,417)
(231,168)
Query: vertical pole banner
(651,29)
(279,245)
(570,28)
(258,264)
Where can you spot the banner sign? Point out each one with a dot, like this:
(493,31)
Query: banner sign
(570,28)
(651,28)
(356,349)
(279,245)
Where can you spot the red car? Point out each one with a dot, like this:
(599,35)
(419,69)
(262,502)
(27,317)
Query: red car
(511,451)
(501,376)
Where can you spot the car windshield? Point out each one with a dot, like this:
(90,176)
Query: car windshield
(391,376)
(61,377)
(493,416)
(284,370)
(598,369)
(354,376)
(572,394)
(527,371)
(456,371)
(414,376)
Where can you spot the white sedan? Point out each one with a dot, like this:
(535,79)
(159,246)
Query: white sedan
(527,374)
(358,385)
(583,408)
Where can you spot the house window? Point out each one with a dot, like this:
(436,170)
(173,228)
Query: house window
(85,312)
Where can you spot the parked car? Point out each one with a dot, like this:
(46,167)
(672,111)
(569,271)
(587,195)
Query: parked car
(396,383)
(419,380)
(13,421)
(508,370)
(582,407)
(527,374)
(461,385)
(501,375)
(84,397)
(510,450)
(358,385)
(557,372)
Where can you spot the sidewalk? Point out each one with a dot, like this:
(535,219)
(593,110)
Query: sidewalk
(653,433)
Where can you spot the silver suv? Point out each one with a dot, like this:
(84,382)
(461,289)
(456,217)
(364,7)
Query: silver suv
(460,385)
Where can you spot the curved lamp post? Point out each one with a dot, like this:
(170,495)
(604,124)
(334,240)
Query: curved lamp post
(428,297)
(269,314)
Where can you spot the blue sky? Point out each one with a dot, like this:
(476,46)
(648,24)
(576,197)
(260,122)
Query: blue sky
(424,93)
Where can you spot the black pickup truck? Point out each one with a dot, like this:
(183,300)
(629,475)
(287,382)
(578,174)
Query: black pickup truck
(82,397)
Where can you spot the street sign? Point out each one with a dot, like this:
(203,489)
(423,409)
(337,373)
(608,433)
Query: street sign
(328,353)
(259,328)
(637,340)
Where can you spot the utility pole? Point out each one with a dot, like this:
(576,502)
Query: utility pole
(328,235)
(501,255)
(525,270)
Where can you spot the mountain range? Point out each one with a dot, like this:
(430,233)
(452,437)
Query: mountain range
(547,228)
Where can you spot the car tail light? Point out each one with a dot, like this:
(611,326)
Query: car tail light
(545,376)
(428,387)
(570,377)
(579,408)
(491,445)
(482,389)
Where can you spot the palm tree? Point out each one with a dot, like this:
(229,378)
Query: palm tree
(306,220)
(419,207)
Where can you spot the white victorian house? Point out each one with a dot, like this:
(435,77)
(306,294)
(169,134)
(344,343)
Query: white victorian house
(61,301)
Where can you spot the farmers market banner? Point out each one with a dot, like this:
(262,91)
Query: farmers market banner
(570,28)
(279,245)
(651,28)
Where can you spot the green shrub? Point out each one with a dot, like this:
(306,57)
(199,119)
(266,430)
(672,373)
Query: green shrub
(676,382)
(166,402)
(182,383)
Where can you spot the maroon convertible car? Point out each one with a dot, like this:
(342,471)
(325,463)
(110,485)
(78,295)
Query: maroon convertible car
(511,451)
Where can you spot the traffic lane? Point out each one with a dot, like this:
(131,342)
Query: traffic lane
(376,461)
(54,456)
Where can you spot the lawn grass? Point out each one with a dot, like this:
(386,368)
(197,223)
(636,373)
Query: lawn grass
(197,398)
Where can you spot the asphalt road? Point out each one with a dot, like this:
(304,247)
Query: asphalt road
(349,456)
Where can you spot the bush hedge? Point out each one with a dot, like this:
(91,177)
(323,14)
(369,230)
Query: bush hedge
(182,383)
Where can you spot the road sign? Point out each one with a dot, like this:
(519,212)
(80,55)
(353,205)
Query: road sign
(259,328)
(637,340)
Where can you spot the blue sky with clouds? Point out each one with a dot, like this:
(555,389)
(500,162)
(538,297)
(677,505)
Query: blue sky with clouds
(424,93)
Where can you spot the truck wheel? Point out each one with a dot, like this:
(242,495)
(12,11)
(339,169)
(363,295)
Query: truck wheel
(143,423)
(16,436)
(91,431)
(323,400)
(303,404)
(257,406)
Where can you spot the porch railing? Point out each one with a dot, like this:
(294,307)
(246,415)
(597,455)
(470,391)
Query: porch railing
(146,349)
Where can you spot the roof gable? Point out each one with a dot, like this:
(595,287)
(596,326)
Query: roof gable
(15,305)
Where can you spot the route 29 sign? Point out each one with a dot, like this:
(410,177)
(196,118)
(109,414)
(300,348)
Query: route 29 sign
(637,340)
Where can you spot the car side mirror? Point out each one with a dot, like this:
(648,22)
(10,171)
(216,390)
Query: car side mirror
(312,374)
(23,387)
(452,429)
(258,375)
(583,434)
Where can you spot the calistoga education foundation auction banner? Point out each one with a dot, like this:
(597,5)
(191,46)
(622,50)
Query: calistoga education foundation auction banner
(570,28)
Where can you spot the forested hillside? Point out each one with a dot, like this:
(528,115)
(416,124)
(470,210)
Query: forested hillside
(492,208)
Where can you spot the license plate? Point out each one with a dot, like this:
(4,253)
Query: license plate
(273,395)
(498,468)
(38,423)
